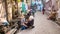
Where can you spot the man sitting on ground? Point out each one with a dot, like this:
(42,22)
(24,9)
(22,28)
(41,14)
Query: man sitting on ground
(52,15)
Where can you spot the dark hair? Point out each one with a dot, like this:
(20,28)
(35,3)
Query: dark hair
(54,10)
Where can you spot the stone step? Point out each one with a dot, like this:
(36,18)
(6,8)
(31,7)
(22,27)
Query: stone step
(12,31)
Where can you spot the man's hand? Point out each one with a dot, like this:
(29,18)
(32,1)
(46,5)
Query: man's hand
(25,22)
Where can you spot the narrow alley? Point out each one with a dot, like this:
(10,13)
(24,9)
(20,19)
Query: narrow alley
(42,26)
(29,16)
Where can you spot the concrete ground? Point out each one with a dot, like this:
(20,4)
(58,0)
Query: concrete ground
(42,26)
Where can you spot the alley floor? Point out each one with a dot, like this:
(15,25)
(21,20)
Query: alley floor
(42,26)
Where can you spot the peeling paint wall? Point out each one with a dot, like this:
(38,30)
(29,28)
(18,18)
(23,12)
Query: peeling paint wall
(58,9)
(48,4)
(2,11)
